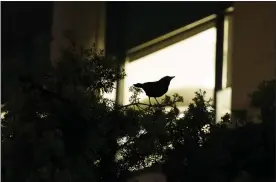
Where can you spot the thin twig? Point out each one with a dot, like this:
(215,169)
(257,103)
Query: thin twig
(134,104)
(140,108)
(137,104)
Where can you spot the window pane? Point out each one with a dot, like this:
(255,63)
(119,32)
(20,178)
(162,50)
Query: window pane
(223,102)
(111,95)
(191,61)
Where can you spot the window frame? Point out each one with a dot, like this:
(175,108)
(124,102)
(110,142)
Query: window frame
(214,20)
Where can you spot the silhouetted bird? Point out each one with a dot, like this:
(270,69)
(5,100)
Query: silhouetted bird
(156,89)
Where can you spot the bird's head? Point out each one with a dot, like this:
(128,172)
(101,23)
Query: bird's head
(167,78)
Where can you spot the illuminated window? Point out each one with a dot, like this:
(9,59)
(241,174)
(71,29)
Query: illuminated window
(191,61)
(223,103)
(111,95)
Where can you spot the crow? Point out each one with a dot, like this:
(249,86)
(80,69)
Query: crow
(156,89)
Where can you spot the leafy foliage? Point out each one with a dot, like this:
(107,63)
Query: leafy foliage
(59,127)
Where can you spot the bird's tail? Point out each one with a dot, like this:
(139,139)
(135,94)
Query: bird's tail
(138,85)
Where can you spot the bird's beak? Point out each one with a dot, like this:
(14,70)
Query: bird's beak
(172,77)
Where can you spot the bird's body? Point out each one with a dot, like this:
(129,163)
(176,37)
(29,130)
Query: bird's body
(156,89)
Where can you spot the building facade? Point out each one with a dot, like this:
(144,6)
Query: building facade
(237,44)
(254,49)
(85,21)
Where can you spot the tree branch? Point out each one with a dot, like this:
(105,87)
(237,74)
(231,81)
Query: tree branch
(137,104)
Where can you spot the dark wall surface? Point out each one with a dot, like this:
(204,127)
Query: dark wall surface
(25,38)
(128,24)
(22,22)
(134,23)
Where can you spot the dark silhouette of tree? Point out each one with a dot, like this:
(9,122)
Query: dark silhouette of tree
(59,127)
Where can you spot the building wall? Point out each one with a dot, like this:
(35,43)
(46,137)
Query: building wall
(86,20)
(167,16)
(25,42)
(254,48)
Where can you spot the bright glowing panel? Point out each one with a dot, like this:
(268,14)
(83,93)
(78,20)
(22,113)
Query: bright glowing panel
(225,53)
(223,103)
(191,61)
(111,95)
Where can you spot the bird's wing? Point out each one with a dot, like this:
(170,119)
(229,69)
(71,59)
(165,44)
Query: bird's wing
(150,85)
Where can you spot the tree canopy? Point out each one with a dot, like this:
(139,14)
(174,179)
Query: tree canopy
(58,126)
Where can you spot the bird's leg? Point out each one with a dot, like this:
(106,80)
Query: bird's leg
(149,101)
(156,101)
